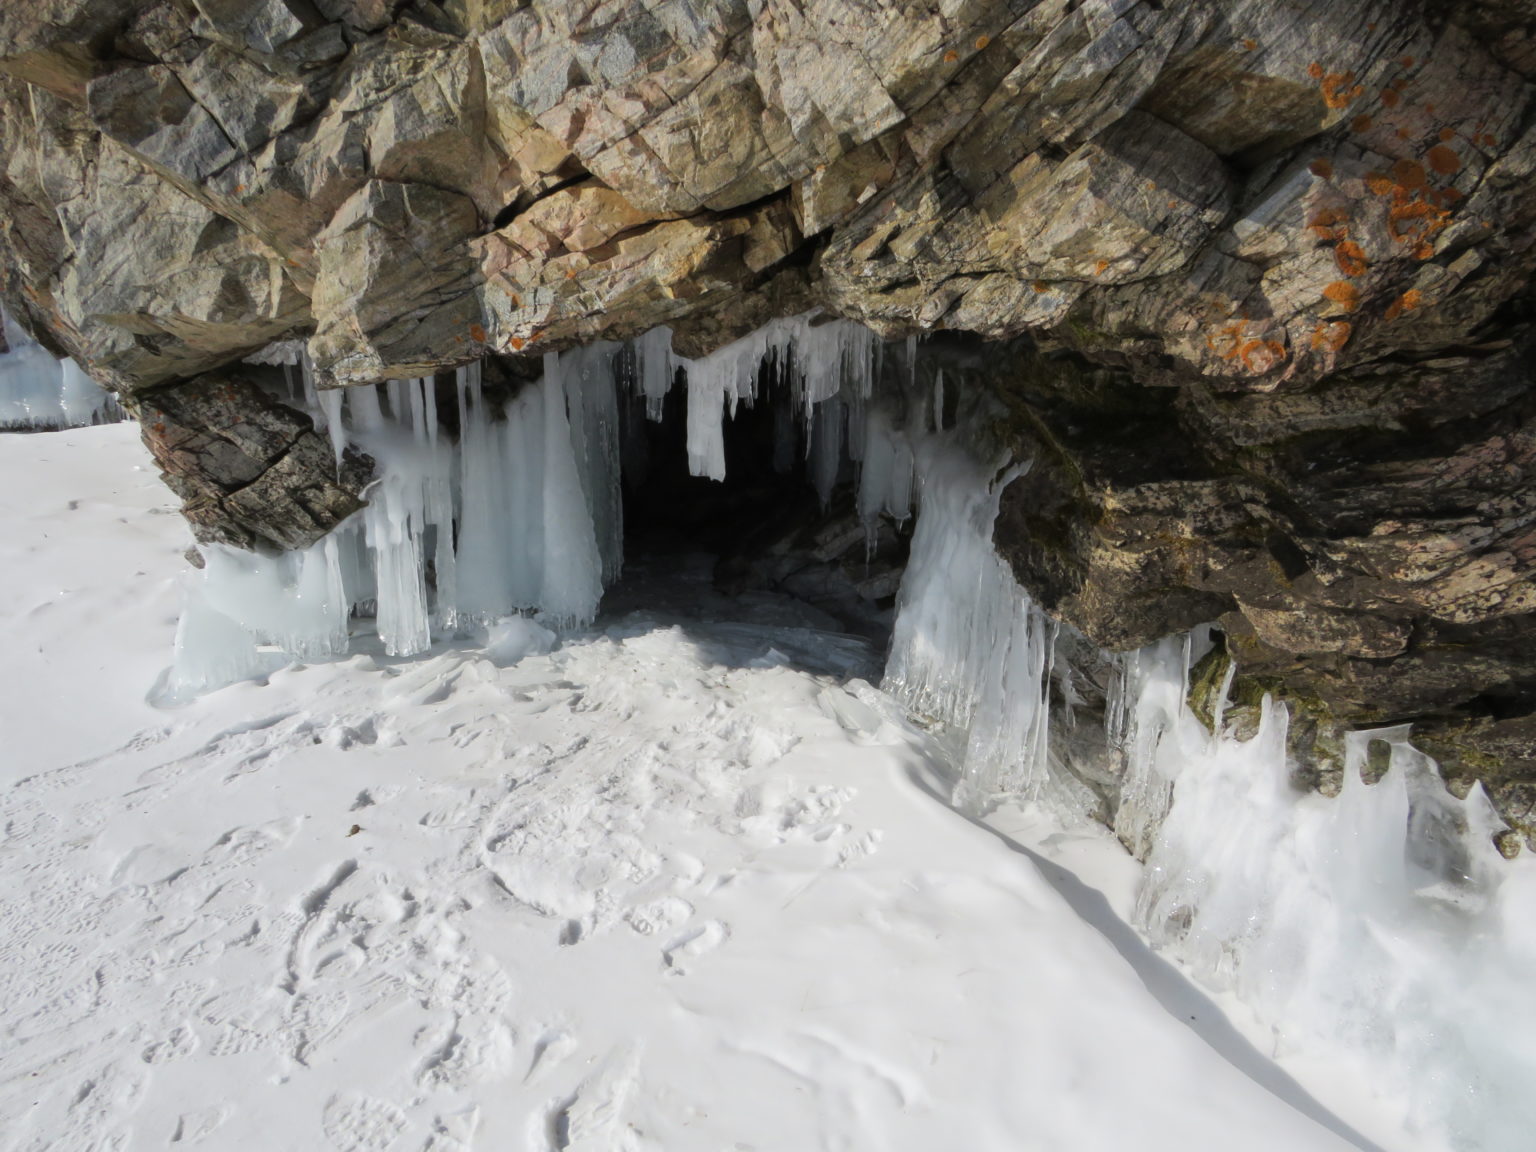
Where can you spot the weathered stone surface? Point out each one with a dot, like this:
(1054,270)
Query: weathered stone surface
(250,471)
(386,261)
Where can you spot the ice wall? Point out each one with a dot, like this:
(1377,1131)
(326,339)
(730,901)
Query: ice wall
(37,391)
(1382,924)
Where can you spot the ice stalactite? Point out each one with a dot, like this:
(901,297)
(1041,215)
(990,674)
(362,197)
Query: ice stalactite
(654,368)
(970,648)
(37,391)
(829,367)
(885,481)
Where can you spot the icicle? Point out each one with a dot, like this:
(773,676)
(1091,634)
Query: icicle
(487,588)
(439,503)
(654,369)
(307,369)
(573,566)
(885,483)
(827,448)
(819,359)
(330,405)
(523,437)
(969,648)
(706,423)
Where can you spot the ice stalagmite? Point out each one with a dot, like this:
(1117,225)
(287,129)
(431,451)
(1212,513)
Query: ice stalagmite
(1379,923)
(1149,722)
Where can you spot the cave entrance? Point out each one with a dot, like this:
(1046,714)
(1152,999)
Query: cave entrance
(732,548)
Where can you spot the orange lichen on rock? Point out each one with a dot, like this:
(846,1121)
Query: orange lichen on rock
(1098,268)
(1315,70)
(1249,43)
(1344,294)
(1447,134)
(1380,184)
(1409,174)
(1361,123)
(1322,168)
(1226,341)
(1409,301)
(1414,224)
(951,56)
(1389,97)
(477,333)
(1259,356)
(1329,224)
(1444,160)
(1331,336)
(518,343)
(1340,89)
(1040,286)
(982,42)
(1350,258)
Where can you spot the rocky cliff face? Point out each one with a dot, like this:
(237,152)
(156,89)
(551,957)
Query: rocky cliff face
(1258,272)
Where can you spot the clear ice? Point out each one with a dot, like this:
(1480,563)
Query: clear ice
(37,391)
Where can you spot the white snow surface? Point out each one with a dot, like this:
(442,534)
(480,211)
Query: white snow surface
(669,885)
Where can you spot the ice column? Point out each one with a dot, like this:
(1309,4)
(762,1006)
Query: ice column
(969,648)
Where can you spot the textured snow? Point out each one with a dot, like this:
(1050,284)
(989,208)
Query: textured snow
(670,884)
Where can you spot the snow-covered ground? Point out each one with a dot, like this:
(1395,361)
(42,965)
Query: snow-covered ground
(674,885)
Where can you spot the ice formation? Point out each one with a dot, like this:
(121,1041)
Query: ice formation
(37,391)
(969,648)
(521,513)
(1381,922)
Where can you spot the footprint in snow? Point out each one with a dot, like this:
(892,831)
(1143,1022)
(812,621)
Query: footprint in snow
(695,942)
